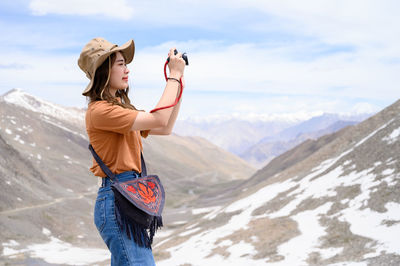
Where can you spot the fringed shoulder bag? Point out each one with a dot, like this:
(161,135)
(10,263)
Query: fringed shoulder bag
(138,203)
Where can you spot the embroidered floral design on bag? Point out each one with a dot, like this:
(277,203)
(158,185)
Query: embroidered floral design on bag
(151,184)
(131,189)
(146,194)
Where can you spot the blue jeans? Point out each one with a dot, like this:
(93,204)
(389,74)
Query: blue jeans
(124,251)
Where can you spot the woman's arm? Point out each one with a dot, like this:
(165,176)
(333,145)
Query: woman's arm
(160,118)
(171,122)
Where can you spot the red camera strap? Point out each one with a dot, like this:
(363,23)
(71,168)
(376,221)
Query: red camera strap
(180,93)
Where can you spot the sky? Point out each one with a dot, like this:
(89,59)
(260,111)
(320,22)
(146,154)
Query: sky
(246,58)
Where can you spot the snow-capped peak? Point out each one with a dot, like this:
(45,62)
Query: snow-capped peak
(20,98)
(253,117)
(290,118)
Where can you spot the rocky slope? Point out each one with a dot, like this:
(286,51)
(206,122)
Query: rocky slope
(332,201)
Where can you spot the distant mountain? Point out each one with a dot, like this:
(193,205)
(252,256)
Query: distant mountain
(268,148)
(46,182)
(324,122)
(258,140)
(330,201)
(234,135)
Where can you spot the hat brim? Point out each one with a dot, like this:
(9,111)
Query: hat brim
(128,49)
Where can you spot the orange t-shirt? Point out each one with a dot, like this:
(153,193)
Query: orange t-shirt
(109,129)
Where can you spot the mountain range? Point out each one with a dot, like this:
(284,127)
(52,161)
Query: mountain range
(258,141)
(331,200)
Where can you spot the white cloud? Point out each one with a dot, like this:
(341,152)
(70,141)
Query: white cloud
(363,108)
(335,21)
(271,69)
(56,78)
(296,74)
(224,78)
(118,9)
(361,22)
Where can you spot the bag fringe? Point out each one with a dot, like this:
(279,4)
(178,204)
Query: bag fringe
(141,235)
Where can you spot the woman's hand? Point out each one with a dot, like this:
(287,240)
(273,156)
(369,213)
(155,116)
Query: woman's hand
(176,64)
(183,82)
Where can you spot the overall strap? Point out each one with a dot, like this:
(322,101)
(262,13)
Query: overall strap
(107,170)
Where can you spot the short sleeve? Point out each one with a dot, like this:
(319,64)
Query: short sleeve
(106,116)
(144,133)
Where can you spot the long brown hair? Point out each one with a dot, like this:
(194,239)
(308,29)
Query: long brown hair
(100,89)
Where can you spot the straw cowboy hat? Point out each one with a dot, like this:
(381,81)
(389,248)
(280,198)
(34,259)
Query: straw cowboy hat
(96,52)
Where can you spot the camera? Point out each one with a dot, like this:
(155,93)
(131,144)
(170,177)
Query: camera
(184,57)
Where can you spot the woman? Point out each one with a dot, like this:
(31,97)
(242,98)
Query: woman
(115,128)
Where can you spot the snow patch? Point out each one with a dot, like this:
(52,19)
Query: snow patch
(241,249)
(17,138)
(349,263)
(7,247)
(226,242)
(373,133)
(179,222)
(347,162)
(10,243)
(202,244)
(188,232)
(163,233)
(377,164)
(212,214)
(46,231)
(386,236)
(192,225)
(204,210)
(60,252)
(57,251)
(393,137)
(296,250)
(388,171)
(391,180)
(28,129)
(344,201)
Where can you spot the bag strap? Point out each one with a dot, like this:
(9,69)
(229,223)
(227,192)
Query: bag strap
(107,170)
(144,170)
